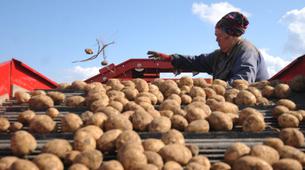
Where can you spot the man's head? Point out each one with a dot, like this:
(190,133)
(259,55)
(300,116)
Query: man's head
(229,28)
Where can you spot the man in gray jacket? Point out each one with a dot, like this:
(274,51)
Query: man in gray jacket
(235,59)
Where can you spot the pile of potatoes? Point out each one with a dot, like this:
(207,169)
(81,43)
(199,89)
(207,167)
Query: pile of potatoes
(117,110)
(186,104)
(274,153)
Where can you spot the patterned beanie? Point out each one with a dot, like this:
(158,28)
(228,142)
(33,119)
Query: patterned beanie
(234,24)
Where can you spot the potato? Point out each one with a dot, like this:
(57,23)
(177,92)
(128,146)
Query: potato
(282,91)
(218,98)
(71,122)
(175,97)
(292,136)
(106,143)
(225,107)
(220,166)
(256,92)
(93,130)
(278,110)
(22,164)
(160,124)
(254,123)
(108,110)
(154,158)
(78,166)
(167,113)
(291,152)
(235,151)
(38,92)
(185,81)
(245,97)
(288,120)
(179,122)
(240,84)
(195,166)
(265,152)
(91,158)
(40,102)
(219,89)
(176,152)
(244,113)
(287,164)
(84,141)
(251,162)
(78,85)
(128,83)
(197,92)
(287,103)
(52,112)
(231,94)
(117,122)
(115,84)
(132,158)
(117,105)
(172,165)
(63,86)
(209,92)
(97,119)
(128,114)
(57,97)
(111,165)
(58,147)
(173,137)
(297,114)
(46,161)
(220,82)
(297,83)
(141,119)
(7,161)
(22,96)
(169,104)
(186,99)
(4,124)
(263,101)
(152,144)
(268,91)
(96,101)
(195,114)
(75,101)
(15,126)
(198,126)
(70,156)
(42,124)
(141,85)
(127,136)
(200,82)
(202,160)
(26,116)
(275,143)
(220,121)
(23,143)
(193,148)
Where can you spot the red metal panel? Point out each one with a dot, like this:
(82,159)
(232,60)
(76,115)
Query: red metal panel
(5,87)
(26,77)
(296,67)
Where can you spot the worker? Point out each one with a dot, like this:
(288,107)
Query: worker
(236,58)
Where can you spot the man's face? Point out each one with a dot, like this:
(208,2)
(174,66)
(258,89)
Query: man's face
(223,40)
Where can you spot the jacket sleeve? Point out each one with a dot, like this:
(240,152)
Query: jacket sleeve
(246,66)
(200,63)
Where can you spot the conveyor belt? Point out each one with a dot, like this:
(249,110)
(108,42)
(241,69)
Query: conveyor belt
(212,144)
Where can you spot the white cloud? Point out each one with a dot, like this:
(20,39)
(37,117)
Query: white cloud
(212,13)
(295,21)
(274,64)
(78,73)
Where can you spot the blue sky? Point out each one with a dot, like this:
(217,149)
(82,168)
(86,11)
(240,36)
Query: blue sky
(49,35)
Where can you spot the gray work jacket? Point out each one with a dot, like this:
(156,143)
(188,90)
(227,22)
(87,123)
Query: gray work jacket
(243,62)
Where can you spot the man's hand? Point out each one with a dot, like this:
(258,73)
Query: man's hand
(158,56)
